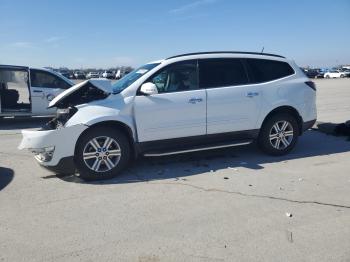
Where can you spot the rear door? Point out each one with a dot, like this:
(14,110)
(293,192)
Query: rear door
(179,108)
(232,104)
(45,86)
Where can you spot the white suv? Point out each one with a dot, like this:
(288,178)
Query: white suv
(181,104)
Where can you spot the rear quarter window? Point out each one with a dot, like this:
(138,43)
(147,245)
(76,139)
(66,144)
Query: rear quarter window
(264,70)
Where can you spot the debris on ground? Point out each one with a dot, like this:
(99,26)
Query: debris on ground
(300,179)
(289,236)
(250,185)
(342,129)
(226,177)
(289,214)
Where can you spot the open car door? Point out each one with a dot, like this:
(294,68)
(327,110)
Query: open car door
(14,91)
(45,86)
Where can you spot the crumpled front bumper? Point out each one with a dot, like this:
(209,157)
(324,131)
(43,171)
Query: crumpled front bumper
(60,143)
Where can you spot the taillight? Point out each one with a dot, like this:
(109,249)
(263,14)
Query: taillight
(311,84)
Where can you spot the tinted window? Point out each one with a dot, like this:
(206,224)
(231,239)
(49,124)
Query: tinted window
(221,72)
(45,79)
(263,70)
(177,77)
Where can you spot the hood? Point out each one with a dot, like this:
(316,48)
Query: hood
(84,92)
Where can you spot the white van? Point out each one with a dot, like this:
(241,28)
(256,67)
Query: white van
(28,91)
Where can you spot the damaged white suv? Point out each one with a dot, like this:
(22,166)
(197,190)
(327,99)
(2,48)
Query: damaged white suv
(181,104)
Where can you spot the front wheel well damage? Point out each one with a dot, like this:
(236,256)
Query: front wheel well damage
(125,129)
(287,110)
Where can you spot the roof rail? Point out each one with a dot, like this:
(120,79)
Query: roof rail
(225,52)
(13,67)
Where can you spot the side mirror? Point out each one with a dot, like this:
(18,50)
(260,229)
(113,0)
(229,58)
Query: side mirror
(148,89)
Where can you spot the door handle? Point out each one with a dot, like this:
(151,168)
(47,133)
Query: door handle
(37,91)
(195,100)
(252,94)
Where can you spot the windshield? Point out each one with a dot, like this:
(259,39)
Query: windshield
(132,77)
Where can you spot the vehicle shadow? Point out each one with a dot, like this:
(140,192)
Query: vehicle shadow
(22,122)
(311,144)
(6,176)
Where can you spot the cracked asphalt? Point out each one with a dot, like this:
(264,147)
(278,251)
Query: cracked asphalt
(225,205)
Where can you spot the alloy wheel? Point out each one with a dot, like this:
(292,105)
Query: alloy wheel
(281,135)
(101,154)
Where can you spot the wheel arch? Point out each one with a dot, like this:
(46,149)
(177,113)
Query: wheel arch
(289,110)
(124,128)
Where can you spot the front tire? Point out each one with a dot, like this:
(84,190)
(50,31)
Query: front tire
(101,153)
(279,134)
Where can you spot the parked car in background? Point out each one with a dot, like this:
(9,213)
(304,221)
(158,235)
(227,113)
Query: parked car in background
(79,75)
(310,73)
(108,74)
(28,91)
(320,73)
(181,104)
(334,74)
(65,72)
(346,72)
(92,75)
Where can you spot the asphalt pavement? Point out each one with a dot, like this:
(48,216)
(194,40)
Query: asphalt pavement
(225,205)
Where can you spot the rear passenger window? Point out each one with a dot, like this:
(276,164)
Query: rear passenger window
(221,72)
(263,70)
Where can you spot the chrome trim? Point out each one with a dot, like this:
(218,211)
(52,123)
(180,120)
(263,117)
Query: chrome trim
(197,149)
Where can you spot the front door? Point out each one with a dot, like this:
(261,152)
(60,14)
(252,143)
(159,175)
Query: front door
(44,87)
(232,104)
(179,108)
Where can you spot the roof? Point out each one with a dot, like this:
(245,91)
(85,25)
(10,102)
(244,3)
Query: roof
(226,52)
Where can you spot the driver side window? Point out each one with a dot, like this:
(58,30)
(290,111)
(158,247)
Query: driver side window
(177,77)
(46,80)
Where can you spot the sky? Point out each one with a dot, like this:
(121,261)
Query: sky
(109,33)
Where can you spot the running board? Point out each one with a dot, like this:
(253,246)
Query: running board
(198,148)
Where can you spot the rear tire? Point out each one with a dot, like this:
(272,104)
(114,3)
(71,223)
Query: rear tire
(102,153)
(327,77)
(279,134)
